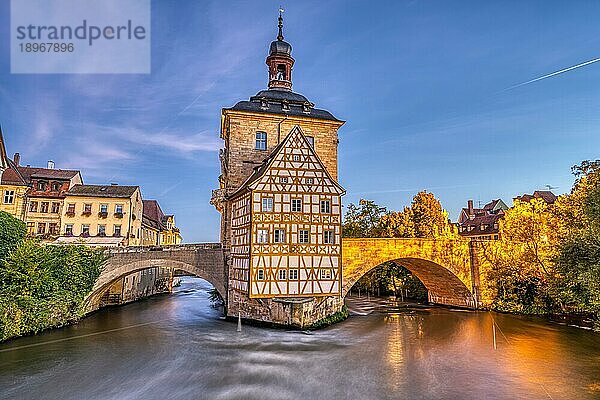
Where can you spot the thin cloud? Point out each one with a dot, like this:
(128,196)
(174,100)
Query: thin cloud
(562,71)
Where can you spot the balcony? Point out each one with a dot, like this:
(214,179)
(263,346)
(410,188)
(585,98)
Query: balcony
(118,215)
(86,213)
(102,214)
(70,213)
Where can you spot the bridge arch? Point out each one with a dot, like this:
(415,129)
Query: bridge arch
(443,266)
(203,261)
(442,285)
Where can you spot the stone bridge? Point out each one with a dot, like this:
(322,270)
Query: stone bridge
(204,260)
(448,268)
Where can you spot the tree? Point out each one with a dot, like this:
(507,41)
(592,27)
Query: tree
(425,218)
(521,262)
(363,220)
(578,263)
(428,216)
(12,232)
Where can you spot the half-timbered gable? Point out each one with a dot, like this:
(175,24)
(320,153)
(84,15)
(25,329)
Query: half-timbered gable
(296,223)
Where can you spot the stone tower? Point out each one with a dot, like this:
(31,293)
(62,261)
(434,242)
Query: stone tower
(252,128)
(255,133)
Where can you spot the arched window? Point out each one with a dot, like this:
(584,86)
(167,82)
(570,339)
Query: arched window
(261,140)
(281,72)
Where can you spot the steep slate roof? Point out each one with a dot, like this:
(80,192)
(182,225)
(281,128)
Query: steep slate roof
(116,191)
(261,169)
(47,173)
(271,101)
(152,214)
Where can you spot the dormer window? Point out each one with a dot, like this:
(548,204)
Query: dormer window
(41,185)
(285,105)
(55,186)
(264,103)
(306,107)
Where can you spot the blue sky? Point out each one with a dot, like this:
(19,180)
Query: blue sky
(423,86)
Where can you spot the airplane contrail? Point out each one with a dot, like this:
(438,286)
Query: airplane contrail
(554,73)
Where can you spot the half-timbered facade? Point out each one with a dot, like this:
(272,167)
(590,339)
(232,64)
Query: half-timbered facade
(286,225)
(279,200)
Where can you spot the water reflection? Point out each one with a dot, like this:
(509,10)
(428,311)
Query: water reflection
(177,347)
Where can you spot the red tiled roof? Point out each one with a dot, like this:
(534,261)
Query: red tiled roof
(486,220)
(12,176)
(545,195)
(152,214)
(33,172)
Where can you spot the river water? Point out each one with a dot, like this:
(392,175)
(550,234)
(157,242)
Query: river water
(177,347)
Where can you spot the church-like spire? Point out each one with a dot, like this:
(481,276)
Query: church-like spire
(280,60)
(280,35)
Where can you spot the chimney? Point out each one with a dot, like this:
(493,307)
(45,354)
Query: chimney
(50,164)
(17,159)
(470,209)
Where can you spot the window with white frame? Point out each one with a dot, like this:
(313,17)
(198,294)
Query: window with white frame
(9,196)
(293,274)
(101,230)
(296,157)
(326,273)
(328,237)
(279,236)
(260,274)
(104,208)
(69,229)
(310,181)
(85,229)
(262,236)
(261,140)
(304,236)
(283,179)
(296,205)
(119,209)
(325,206)
(282,274)
(267,204)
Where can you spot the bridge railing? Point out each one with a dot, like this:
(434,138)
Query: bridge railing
(175,247)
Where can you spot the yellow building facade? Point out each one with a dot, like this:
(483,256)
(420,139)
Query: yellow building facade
(158,229)
(13,190)
(102,215)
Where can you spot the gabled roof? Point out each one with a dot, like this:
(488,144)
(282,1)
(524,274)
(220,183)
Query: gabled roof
(152,214)
(260,170)
(12,176)
(115,191)
(46,173)
(545,195)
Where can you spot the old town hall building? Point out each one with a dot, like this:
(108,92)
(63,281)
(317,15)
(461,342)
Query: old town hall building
(280,201)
